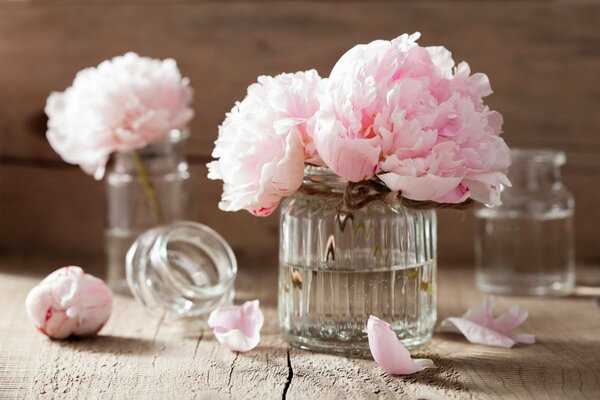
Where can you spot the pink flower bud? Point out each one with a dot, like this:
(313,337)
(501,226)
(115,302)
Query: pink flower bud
(69,302)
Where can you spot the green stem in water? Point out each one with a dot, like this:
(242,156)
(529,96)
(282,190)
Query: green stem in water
(148,187)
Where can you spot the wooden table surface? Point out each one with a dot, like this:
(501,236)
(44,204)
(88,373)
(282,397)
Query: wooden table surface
(137,357)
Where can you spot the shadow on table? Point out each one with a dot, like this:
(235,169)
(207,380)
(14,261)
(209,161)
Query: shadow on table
(109,344)
(549,363)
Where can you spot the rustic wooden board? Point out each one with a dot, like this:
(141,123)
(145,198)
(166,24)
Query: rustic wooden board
(136,357)
(540,55)
(61,211)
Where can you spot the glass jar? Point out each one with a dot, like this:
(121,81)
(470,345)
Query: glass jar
(336,270)
(144,188)
(180,272)
(526,246)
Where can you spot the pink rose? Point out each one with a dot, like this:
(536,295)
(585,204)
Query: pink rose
(69,302)
(121,105)
(265,141)
(404,113)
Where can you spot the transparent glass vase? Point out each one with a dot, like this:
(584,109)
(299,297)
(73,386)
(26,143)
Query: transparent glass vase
(526,246)
(144,189)
(335,272)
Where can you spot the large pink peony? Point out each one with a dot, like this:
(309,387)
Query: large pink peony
(408,115)
(121,105)
(265,141)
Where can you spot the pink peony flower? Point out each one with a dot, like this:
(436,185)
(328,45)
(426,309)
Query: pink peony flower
(406,114)
(69,302)
(478,325)
(238,327)
(388,351)
(122,105)
(265,141)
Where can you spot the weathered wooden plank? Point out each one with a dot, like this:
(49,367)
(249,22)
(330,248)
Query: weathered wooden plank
(133,359)
(61,211)
(539,55)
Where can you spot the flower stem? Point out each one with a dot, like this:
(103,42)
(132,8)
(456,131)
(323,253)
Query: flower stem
(148,187)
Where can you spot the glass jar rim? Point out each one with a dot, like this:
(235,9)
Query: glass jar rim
(321,174)
(180,232)
(149,256)
(538,156)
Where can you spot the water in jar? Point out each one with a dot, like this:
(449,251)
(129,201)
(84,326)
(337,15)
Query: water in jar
(327,310)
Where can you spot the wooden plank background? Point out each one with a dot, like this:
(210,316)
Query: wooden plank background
(543,58)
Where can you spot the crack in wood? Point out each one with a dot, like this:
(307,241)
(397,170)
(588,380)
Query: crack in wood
(231,372)
(288,381)
(198,343)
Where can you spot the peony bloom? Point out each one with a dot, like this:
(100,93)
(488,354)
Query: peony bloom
(265,141)
(388,351)
(478,325)
(238,327)
(69,302)
(407,115)
(121,105)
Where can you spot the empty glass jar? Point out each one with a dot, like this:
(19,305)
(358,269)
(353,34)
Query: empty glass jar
(144,188)
(336,271)
(526,246)
(181,272)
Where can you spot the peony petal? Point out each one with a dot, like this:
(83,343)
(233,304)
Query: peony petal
(526,338)
(478,325)
(426,187)
(290,169)
(235,340)
(482,314)
(388,351)
(510,319)
(237,327)
(353,159)
(476,333)
(458,195)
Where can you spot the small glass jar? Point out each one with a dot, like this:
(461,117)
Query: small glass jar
(181,272)
(144,188)
(526,246)
(336,271)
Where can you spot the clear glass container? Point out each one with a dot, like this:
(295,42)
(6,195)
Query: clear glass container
(526,246)
(181,272)
(334,272)
(144,188)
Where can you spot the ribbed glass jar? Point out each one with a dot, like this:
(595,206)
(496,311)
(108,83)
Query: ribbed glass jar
(335,273)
